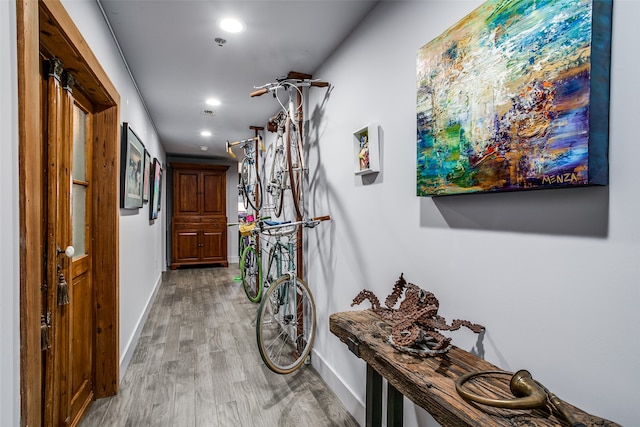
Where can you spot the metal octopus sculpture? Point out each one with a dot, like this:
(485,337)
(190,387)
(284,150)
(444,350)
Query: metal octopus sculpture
(415,323)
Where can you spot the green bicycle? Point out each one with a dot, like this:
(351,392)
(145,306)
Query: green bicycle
(250,261)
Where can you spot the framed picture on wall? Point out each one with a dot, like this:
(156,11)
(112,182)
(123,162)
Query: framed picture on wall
(515,96)
(132,169)
(156,190)
(146,175)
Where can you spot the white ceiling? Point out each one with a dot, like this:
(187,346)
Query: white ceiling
(170,49)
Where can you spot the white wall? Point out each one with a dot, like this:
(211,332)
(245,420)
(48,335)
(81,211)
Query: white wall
(142,256)
(553,275)
(9,225)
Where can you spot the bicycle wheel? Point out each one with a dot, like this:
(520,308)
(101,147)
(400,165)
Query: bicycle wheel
(251,271)
(251,185)
(286,325)
(295,166)
(277,178)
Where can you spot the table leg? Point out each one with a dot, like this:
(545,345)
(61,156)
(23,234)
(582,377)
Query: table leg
(373,402)
(394,406)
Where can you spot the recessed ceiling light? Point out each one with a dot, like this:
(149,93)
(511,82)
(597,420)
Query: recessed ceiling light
(212,101)
(205,133)
(231,25)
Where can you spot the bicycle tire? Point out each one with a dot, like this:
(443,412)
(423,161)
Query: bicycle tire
(251,273)
(277,323)
(251,185)
(295,166)
(277,180)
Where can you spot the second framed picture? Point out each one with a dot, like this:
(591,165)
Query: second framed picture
(132,169)
(147,175)
(156,189)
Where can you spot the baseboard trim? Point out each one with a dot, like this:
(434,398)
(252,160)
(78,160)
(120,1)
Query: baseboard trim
(133,342)
(354,405)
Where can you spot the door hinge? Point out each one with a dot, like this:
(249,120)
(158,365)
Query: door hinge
(45,329)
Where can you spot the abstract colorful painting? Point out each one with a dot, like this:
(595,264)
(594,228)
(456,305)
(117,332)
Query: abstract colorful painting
(515,96)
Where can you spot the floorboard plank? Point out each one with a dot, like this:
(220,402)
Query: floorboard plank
(196,364)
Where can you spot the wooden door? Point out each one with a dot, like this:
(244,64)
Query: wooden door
(68,297)
(81,348)
(186,243)
(213,246)
(213,192)
(187,192)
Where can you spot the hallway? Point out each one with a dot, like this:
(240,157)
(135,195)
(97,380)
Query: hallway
(197,364)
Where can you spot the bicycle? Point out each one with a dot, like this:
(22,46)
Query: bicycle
(288,161)
(250,260)
(285,326)
(250,183)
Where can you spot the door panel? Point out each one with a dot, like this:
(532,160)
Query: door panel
(214,243)
(188,192)
(186,246)
(81,287)
(213,193)
(81,332)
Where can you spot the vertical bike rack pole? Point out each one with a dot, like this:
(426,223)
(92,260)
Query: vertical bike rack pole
(257,130)
(300,117)
(299,233)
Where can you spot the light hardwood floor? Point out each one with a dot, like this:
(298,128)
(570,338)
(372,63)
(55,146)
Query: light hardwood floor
(197,364)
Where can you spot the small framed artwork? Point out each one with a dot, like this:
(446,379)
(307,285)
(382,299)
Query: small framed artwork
(132,169)
(147,175)
(366,150)
(156,190)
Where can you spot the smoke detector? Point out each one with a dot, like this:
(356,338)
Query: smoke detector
(208,112)
(220,41)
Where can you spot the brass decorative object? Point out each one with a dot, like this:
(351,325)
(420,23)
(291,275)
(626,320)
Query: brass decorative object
(415,323)
(528,393)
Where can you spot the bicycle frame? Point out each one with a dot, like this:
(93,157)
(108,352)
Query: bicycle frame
(250,185)
(285,327)
(289,137)
(289,248)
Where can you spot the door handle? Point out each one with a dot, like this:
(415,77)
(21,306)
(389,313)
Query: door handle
(69,251)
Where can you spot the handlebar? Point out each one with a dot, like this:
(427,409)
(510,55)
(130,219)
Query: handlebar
(291,226)
(243,141)
(261,90)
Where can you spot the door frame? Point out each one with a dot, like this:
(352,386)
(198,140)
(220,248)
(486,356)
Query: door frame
(46,22)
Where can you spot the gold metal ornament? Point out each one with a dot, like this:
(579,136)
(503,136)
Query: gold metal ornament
(528,393)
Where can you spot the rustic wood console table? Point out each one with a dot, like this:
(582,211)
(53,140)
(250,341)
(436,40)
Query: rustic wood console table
(430,382)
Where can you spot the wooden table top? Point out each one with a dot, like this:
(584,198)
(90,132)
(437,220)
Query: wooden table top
(430,381)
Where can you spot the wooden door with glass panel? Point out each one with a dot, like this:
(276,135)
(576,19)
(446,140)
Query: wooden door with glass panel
(68,298)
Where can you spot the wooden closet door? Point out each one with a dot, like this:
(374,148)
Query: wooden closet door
(213,193)
(187,192)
